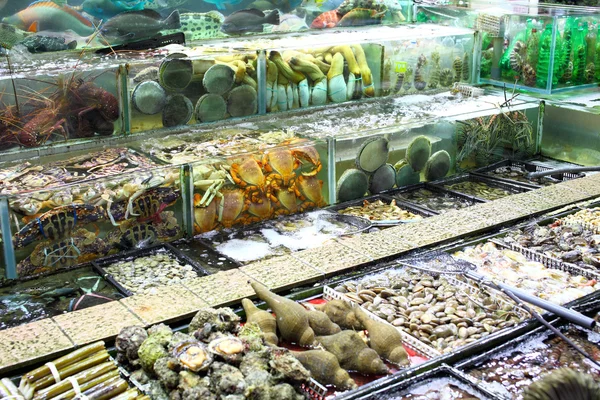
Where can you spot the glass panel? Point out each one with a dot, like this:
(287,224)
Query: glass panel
(64,226)
(57,108)
(182,90)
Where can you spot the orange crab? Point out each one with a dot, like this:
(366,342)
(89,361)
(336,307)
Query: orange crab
(231,207)
(248,175)
(205,217)
(260,211)
(287,202)
(280,164)
(308,156)
(310,192)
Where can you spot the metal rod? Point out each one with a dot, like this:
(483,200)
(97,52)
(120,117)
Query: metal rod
(568,314)
(539,174)
(9,251)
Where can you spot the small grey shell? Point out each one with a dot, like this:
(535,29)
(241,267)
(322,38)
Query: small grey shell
(178,110)
(210,107)
(148,97)
(372,154)
(219,79)
(383,179)
(353,184)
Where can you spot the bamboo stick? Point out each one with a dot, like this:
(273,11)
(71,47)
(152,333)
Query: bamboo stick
(69,394)
(82,377)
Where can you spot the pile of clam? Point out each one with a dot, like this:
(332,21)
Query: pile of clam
(590,218)
(436,311)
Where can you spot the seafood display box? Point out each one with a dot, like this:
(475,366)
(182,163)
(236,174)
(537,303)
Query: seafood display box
(165,248)
(435,382)
(398,194)
(387,199)
(508,188)
(525,167)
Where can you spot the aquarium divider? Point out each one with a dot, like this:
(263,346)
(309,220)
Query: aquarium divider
(186,181)
(9,251)
(123,87)
(331,170)
(261,77)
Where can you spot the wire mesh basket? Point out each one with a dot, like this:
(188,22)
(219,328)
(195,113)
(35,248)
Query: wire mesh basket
(492,24)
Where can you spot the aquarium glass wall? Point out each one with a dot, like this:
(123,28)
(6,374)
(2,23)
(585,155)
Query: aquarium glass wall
(543,51)
(182,90)
(36,110)
(56,228)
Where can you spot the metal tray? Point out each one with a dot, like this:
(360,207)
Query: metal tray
(396,386)
(100,263)
(413,208)
(468,287)
(396,193)
(514,188)
(529,167)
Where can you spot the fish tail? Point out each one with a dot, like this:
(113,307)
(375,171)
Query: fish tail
(173,21)
(273,18)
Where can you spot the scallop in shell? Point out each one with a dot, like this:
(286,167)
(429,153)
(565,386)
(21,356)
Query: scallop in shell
(219,79)
(230,348)
(383,179)
(418,152)
(405,174)
(438,165)
(242,101)
(178,110)
(373,154)
(193,355)
(353,184)
(176,72)
(148,97)
(210,107)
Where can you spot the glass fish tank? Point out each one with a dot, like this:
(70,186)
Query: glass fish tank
(249,187)
(60,227)
(181,90)
(62,27)
(42,109)
(545,49)
(569,135)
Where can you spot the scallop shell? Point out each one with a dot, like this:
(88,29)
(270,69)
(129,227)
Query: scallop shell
(418,152)
(405,175)
(242,101)
(383,179)
(353,184)
(210,107)
(229,348)
(372,154)
(219,79)
(177,111)
(437,166)
(176,72)
(148,97)
(193,355)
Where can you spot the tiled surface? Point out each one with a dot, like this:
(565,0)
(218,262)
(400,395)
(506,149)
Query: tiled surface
(34,340)
(332,257)
(96,323)
(222,288)
(561,194)
(589,184)
(377,245)
(170,303)
(281,272)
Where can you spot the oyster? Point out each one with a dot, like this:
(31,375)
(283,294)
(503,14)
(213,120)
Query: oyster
(215,320)
(226,379)
(165,369)
(229,348)
(193,355)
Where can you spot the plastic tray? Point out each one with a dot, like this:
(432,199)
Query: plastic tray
(529,167)
(413,208)
(514,188)
(395,387)
(205,248)
(99,264)
(396,193)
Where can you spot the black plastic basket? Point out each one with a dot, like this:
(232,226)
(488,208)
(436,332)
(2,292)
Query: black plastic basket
(514,188)
(99,264)
(227,262)
(397,194)
(415,209)
(529,167)
(395,387)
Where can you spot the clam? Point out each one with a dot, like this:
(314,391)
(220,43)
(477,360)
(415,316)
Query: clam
(383,179)
(193,355)
(229,348)
(210,107)
(405,174)
(176,72)
(149,97)
(219,79)
(418,152)
(352,185)
(372,154)
(177,111)
(242,101)
(437,166)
